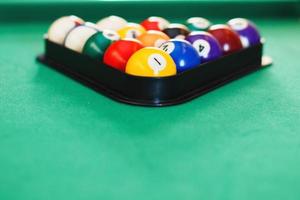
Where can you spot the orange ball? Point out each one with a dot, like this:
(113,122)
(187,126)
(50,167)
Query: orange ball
(153,38)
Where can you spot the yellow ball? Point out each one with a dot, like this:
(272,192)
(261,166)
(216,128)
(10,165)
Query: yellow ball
(131,30)
(151,62)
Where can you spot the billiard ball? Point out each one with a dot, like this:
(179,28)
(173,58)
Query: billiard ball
(228,39)
(207,45)
(111,23)
(198,24)
(131,30)
(77,37)
(183,53)
(61,27)
(178,31)
(155,23)
(151,62)
(96,45)
(118,53)
(91,25)
(247,31)
(153,38)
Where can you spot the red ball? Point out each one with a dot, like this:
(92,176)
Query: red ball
(228,39)
(150,25)
(119,52)
(155,23)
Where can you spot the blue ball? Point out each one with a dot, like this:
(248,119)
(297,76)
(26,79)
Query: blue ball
(183,53)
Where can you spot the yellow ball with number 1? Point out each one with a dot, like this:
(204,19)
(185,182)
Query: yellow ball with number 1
(151,62)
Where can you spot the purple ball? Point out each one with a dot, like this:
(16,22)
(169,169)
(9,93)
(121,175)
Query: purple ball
(247,31)
(206,45)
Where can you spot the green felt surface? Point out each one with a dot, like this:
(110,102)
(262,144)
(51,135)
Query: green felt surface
(61,140)
(48,10)
(74,1)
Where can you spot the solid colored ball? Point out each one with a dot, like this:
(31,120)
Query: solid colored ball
(183,53)
(247,31)
(78,36)
(228,39)
(111,23)
(178,31)
(131,30)
(60,28)
(151,62)
(198,24)
(153,38)
(98,43)
(118,53)
(206,44)
(155,23)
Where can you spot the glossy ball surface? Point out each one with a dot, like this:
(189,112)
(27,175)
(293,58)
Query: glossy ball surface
(183,53)
(155,23)
(98,43)
(198,24)
(247,31)
(178,31)
(60,28)
(153,38)
(118,53)
(78,36)
(111,23)
(151,62)
(131,30)
(228,39)
(207,46)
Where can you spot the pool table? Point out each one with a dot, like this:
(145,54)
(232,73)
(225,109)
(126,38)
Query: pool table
(61,140)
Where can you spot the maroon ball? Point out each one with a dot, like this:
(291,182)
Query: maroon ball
(228,39)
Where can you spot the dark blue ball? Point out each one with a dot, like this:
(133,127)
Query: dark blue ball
(183,53)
